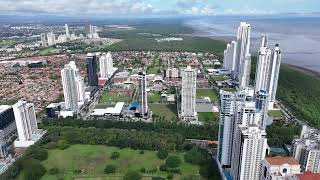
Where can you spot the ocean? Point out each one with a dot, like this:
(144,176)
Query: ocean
(298,36)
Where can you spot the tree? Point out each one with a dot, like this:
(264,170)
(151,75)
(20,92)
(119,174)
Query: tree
(110,169)
(162,154)
(173,161)
(132,175)
(33,169)
(163,167)
(36,152)
(53,171)
(115,155)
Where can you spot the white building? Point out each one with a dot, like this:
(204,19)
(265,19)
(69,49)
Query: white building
(70,84)
(51,39)
(230,55)
(231,105)
(67,30)
(267,71)
(172,73)
(306,150)
(250,149)
(278,168)
(243,61)
(106,65)
(26,123)
(143,96)
(188,94)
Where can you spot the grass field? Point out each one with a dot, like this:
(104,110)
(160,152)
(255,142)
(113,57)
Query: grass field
(48,51)
(109,98)
(92,160)
(154,97)
(168,111)
(208,117)
(207,93)
(275,113)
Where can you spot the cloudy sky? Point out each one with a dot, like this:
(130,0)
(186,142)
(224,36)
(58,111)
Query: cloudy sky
(157,7)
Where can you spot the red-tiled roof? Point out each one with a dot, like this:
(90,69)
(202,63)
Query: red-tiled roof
(279,160)
(309,176)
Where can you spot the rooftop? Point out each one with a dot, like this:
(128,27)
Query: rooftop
(308,176)
(279,160)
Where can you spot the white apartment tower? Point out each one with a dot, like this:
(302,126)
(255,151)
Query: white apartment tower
(306,150)
(70,88)
(263,69)
(106,65)
(243,60)
(43,40)
(51,39)
(188,94)
(143,96)
(274,73)
(67,30)
(26,122)
(230,55)
(250,149)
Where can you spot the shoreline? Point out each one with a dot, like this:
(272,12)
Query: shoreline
(303,70)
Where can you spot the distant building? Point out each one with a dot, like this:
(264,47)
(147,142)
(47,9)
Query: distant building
(278,168)
(306,150)
(51,39)
(43,40)
(243,59)
(67,30)
(188,94)
(249,150)
(172,73)
(106,65)
(143,101)
(91,61)
(230,55)
(7,128)
(25,117)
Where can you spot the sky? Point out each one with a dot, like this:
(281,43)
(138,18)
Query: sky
(156,7)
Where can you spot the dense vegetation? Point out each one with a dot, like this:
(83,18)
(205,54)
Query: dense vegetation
(209,131)
(279,134)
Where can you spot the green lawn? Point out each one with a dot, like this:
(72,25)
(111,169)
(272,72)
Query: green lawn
(154,97)
(275,113)
(48,51)
(155,67)
(108,97)
(208,117)
(92,159)
(168,111)
(207,93)
(219,78)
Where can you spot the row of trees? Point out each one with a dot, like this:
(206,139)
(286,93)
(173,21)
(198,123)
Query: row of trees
(208,131)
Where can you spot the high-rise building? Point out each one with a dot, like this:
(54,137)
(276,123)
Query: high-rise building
(243,59)
(106,65)
(91,61)
(262,105)
(26,122)
(67,30)
(43,40)
(267,70)
(274,73)
(7,128)
(70,87)
(306,149)
(188,94)
(51,39)
(249,151)
(231,114)
(143,96)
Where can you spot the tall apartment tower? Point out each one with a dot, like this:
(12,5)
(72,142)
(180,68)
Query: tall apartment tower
(249,151)
(26,120)
(43,40)
(67,29)
(91,62)
(143,96)
(243,60)
(263,70)
(106,65)
(230,54)
(51,39)
(70,87)
(188,94)
(274,72)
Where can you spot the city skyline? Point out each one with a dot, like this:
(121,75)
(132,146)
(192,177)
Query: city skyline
(157,7)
